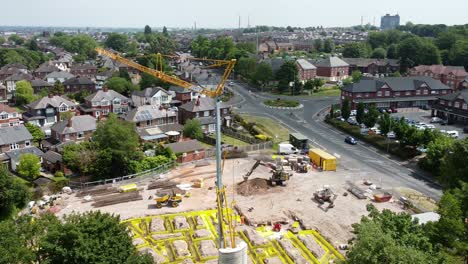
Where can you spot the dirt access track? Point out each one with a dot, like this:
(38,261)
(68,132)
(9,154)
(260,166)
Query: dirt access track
(260,202)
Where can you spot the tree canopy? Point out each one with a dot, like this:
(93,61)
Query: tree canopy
(120,85)
(36,132)
(192,129)
(117,42)
(357,50)
(81,44)
(14,194)
(24,92)
(29,166)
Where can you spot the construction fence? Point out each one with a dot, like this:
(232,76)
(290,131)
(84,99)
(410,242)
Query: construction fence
(153,173)
(232,133)
(249,148)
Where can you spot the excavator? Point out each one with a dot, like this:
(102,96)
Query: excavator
(279,175)
(324,195)
(222,204)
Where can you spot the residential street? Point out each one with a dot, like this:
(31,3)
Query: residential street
(361,160)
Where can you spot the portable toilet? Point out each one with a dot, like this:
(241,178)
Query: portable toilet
(323,159)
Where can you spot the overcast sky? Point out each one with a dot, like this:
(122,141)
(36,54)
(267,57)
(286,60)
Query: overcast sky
(225,14)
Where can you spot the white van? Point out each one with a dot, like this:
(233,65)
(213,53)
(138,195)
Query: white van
(286,148)
(452,133)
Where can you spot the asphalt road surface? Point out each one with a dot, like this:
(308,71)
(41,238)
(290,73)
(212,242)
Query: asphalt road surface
(361,161)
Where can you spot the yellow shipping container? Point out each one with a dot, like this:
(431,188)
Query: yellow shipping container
(323,159)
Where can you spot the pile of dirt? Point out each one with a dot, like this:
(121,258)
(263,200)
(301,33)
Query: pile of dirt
(253,186)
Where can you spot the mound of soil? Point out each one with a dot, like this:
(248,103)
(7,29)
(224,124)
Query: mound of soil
(253,186)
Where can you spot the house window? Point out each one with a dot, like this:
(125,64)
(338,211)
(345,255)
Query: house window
(38,112)
(358,95)
(397,93)
(117,101)
(4,116)
(14,146)
(465,106)
(444,91)
(197,114)
(81,134)
(225,111)
(105,102)
(27,143)
(379,93)
(63,108)
(98,113)
(94,103)
(449,103)
(15,115)
(418,92)
(387,93)
(457,105)
(206,113)
(434,92)
(67,137)
(407,93)
(164,98)
(442,102)
(425,92)
(148,122)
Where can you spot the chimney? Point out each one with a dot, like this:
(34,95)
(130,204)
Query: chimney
(70,122)
(105,89)
(197,103)
(51,95)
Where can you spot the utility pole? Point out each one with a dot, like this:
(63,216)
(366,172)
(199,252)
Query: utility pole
(219,178)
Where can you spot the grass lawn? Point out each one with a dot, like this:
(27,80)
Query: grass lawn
(327,92)
(230,141)
(282,103)
(269,127)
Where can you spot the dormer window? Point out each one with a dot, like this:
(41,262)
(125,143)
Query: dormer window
(3,116)
(104,102)
(63,108)
(117,101)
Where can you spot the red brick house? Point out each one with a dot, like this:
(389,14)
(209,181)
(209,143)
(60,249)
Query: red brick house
(452,107)
(151,115)
(78,83)
(180,95)
(306,70)
(103,102)
(452,76)
(187,151)
(77,128)
(372,66)
(86,70)
(47,110)
(8,116)
(332,69)
(203,109)
(395,92)
(44,69)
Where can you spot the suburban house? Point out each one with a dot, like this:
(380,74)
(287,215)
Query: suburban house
(306,70)
(15,141)
(275,63)
(13,79)
(156,96)
(46,111)
(8,116)
(372,66)
(38,85)
(78,83)
(151,115)
(182,95)
(203,109)
(52,161)
(103,102)
(44,69)
(395,92)
(11,69)
(3,94)
(187,151)
(452,76)
(86,70)
(452,107)
(102,77)
(77,128)
(332,69)
(161,133)
(60,76)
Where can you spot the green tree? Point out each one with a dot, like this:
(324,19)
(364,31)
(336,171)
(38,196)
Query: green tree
(36,132)
(386,123)
(379,53)
(356,50)
(120,85)
(356,75)
(14,194)
(33,45)
(392,52)
(318,45)
(58,88)
(263,74)
(117,41)
(377,39)
(400,128)
(454,165)
(164,31)
(370,118)
(396,74)
(309,85)
(80,157)
(450,227)
(345,109)
(318,83)
(2,40)
(246,67)
(16,39)
(436,150)
(149,81)
(446,40)
(360,113)
(147,30)
(24,92)
(328,46)
(118,143)
(29,166)
(415,50)
(159,43)
(287,72)
(458,55)
(192,129)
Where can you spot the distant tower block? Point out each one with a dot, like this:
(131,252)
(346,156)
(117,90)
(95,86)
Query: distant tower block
(236,255)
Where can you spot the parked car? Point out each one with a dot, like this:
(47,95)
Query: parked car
(375,130)
(340,119)
(353,112)
(394,110)
(436,119)
(452,133)
(350,140)
(287,149)
(429,126)
(352,121)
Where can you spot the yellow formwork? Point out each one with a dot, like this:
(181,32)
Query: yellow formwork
(257,254)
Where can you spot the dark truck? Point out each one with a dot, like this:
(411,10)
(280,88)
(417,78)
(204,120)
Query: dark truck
(299,141)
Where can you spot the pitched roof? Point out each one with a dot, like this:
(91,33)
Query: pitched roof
(78,81)
(19,77)
(14,65)
(149,92)
(83,67)
(275,63)
(441,69)
(46,67)
(15,154)
(201,104)
(52,156)
(79,123)
(331,62)
(148,112)
(462,94)
(14,134)
(305,65)
(101,94)
(55,101)
(185,146)
(60,74)
(6,108)
(364,62)
(395,83)
(40,83)
(179,89)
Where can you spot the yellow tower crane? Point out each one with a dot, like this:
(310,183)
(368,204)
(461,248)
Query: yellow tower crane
(158,73)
